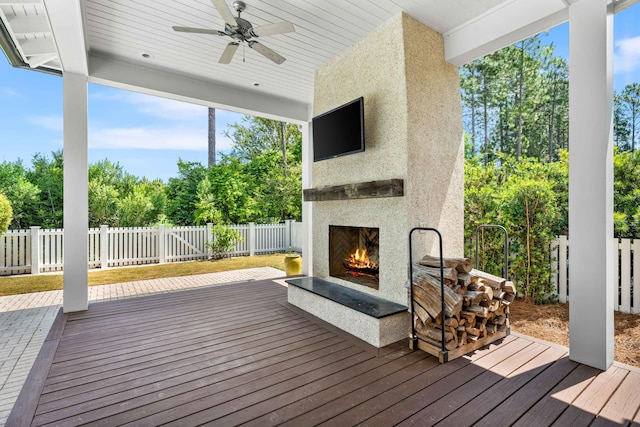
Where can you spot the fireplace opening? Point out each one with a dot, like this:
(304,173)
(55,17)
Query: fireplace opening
(354,254)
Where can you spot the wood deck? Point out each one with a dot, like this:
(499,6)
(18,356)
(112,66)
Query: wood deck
(239,354)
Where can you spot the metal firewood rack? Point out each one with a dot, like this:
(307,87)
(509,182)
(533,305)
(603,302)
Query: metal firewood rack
(442,353)
(414,337)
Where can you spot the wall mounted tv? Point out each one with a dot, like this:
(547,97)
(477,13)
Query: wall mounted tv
(339,132)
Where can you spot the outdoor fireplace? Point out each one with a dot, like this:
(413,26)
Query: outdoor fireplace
(354,254)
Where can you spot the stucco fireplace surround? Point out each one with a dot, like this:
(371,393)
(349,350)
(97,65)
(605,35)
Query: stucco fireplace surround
(413,135)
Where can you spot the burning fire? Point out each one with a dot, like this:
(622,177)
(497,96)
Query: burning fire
(360,260)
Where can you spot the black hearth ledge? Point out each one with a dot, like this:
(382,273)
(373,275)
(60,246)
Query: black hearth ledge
(356,300)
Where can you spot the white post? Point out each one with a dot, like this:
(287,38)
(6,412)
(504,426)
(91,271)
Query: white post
(76,193)
(35,249)
(307,212)
(592,265)
(161,247)
(252,239)
(104,246)
(209,239)
(287,234)
(562,263)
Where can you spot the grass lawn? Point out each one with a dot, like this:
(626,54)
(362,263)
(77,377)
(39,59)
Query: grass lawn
(13,285)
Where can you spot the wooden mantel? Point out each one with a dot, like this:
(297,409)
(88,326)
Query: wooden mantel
(361,190)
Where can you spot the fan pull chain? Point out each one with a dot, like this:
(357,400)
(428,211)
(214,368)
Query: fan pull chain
(243,51)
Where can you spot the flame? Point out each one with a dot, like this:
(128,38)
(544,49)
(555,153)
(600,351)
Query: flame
(360,259)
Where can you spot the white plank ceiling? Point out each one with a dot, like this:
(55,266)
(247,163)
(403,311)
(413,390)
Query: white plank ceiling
(127,29)
(139,33)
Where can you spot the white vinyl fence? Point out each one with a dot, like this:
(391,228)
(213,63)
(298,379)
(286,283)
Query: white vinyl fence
(37,250)
(627,255)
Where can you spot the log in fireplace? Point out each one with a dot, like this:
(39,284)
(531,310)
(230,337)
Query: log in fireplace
(354,254)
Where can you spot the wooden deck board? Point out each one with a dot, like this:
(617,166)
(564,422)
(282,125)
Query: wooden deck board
(176,342)
(121,367)
(239,354)
(169,376)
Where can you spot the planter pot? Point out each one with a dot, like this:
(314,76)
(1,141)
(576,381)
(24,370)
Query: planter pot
(292,264)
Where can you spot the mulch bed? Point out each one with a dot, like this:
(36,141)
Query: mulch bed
(550,322)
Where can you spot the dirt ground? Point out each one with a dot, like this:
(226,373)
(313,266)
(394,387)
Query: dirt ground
(550,322)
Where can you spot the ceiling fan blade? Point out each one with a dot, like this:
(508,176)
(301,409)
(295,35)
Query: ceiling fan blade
(228,53)
(271,29)
(267,52)
(198,30)
(225,12)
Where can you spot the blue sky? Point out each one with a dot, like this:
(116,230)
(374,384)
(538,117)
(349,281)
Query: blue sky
(147,134)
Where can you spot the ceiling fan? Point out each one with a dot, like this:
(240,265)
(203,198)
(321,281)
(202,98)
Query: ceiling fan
(241,30)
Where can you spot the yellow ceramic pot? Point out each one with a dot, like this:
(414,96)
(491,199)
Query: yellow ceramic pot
(292,264)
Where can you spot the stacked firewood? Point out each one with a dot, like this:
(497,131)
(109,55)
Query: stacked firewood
(476,304)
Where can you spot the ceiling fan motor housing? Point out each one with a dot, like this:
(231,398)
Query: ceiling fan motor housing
(242,32)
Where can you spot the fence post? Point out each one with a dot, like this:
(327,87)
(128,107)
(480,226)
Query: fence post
(636,289)
(553,263)
(35,249)
(252,239)
(104,246)
(208,239)
(562,269)
(622,294)
(161,240)
(287,234)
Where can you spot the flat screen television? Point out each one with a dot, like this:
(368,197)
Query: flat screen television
(339,132)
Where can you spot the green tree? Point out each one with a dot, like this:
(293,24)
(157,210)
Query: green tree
(103,204)
(120,199)
(182,192)
(527,197)
(155,191)
(627,117)
(47,174)
(626,191)
(6,213)
(134,209)
(515,102)
(113,174)
(23,195)
(481,207)
(271,153)
(528,209)
(228,190)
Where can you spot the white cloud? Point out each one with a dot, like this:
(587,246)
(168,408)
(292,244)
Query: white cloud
(166,108)
(154,138)
(10,92)
(154,106)
(627,55)
(50,123)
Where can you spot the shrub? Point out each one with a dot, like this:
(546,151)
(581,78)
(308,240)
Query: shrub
(224,240)
(528,198)
(6,213)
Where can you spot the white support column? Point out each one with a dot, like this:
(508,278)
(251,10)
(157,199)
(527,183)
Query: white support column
(76,193)
(591,268)
(307,217)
